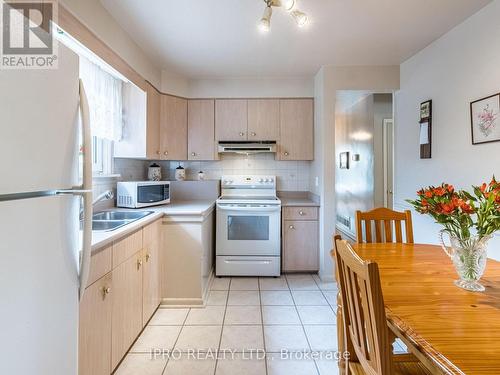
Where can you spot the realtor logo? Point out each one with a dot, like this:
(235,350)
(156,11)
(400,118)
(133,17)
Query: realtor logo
(27,41)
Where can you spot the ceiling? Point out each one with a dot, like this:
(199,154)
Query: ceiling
(219,38)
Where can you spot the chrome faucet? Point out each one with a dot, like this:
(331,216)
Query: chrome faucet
(107,195)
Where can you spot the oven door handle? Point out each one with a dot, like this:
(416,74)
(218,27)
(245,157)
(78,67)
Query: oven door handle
(250,209)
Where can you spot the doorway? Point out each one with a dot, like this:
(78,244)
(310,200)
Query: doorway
(388,150)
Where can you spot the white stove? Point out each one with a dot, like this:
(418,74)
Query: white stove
(248,227)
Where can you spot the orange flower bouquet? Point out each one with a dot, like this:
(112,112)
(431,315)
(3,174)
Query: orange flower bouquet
(470,221)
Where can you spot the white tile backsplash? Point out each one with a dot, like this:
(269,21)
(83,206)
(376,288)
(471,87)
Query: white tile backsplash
(291,175)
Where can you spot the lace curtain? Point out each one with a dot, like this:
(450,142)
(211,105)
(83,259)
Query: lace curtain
(104,94)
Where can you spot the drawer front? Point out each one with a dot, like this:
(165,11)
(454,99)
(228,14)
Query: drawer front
(301,213)
(100,264)
(125,248)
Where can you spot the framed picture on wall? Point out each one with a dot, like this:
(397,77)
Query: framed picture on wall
(344,160)
(485,120)
(426,129)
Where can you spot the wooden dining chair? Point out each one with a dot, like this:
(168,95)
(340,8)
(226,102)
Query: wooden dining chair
(340,323)
(386,223)
(368,334)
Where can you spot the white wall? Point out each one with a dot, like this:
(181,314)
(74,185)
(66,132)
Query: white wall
(458,68)
(93,15)
(252,87)
(328,81)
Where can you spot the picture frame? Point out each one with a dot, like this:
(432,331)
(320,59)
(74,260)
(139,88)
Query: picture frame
(485,119)
(344,160)
(425,133)
(425,110)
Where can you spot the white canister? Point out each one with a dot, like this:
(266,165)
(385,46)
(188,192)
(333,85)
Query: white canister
(154,172)
(201,176)
(180,173)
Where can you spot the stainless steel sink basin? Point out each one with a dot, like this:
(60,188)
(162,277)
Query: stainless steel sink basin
(121,215)
(108,225)
(112,220)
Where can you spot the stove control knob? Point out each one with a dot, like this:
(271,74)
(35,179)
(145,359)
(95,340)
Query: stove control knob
(261,180)
(271,180)
(268,180)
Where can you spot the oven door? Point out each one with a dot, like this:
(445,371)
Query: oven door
(152,194)
(247,230)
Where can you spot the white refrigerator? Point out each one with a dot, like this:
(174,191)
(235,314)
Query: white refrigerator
(44,256)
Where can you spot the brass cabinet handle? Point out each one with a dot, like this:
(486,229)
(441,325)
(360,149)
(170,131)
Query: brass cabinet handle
(165,153)
(253,134)
(105,291)
(242,134)
(158,152)
(301,213)
(286,153)
(139,263)
(147,257)
(291,227)
(193,154)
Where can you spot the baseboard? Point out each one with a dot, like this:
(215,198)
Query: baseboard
(326,278)
(181,302)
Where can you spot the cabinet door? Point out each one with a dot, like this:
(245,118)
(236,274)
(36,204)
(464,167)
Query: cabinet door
(152,122)
(127,306)
(173,128)
(94,357)
(263,119)
(151,272)
(231,120)
(201,145)
(296,129)
(301,248)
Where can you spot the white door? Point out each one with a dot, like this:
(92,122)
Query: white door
(248,230)
(388,145)
(39,127)
(39,286)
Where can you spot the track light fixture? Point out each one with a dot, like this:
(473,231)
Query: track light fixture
(289,5)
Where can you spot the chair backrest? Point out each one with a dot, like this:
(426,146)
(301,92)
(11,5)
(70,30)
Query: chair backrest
(364,312)
(386,224)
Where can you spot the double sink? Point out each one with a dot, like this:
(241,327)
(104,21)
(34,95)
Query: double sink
(112,220)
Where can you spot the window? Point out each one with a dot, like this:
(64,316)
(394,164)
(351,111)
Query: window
(103,86)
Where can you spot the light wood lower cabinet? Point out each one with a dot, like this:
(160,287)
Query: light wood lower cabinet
(151,271)
(115,307)
(300,241)
(127,306)
(95,328)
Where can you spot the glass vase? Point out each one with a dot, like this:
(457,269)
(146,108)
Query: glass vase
(469,258)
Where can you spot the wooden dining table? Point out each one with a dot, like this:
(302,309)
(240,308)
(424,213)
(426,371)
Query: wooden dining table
(453,331)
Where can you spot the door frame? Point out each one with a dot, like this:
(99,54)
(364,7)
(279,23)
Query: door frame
(388,129)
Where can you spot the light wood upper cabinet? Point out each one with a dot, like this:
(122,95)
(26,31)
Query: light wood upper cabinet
(263,119)
(151,271)
(231,120)
(296,129)
(201,129)
(95,328)
(173,128)
(152,122)
(127,306)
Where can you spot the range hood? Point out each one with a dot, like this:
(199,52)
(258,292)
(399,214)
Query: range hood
(246,147)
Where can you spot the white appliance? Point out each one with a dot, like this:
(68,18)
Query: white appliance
(247,147)
(248,227)
(41,191)
(138,194)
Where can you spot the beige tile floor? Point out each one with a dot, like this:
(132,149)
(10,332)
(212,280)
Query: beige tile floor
(266,315)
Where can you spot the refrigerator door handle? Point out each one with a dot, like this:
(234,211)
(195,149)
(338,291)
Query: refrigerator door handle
(86,192)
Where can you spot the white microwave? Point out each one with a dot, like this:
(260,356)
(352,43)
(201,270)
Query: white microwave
(138,194)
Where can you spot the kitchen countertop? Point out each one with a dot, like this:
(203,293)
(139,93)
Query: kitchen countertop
(178,208)
(298,202)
